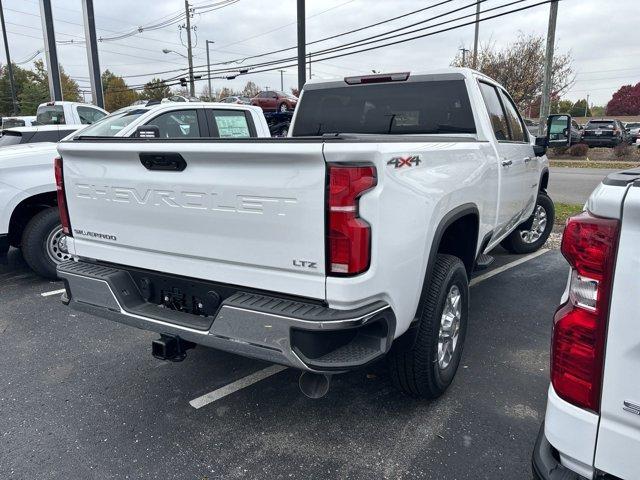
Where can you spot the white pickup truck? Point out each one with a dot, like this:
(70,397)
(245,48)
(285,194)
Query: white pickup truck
(592,424)
(322,251)
(68,113)
(28,213)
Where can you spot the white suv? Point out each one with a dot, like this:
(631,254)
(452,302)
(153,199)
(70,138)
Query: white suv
(592,424)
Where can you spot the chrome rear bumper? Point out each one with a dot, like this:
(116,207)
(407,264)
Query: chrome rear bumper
(295,333)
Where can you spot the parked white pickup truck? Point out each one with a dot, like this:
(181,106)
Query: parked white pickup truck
(68,113)
(592,424)
(29,216)
(322,251)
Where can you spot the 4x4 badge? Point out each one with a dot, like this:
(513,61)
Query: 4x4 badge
(410,161)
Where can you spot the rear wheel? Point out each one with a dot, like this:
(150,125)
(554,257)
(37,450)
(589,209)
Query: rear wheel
(44,246)
(533,233)
(427,368)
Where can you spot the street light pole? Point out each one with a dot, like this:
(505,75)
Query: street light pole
(50,51)
(548,67)
(209,69)
(192,87)
(301,46)
(281,80)
(9,66)
(475,39)
(92,52)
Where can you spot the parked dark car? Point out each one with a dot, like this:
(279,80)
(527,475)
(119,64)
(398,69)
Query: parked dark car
(604,133)
(633,130)
(274,101)
(236,99)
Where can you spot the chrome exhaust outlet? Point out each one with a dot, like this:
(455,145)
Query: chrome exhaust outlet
(314,385)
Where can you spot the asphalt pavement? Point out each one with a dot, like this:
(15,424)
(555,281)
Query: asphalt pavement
(82,398)
(574,185)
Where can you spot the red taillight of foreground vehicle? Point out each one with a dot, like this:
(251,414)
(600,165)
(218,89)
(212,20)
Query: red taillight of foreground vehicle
(580,326)
(348,236)
(62,200)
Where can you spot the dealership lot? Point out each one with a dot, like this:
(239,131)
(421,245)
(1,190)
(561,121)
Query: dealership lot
(83,397)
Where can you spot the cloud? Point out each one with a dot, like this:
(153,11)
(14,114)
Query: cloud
(602,63)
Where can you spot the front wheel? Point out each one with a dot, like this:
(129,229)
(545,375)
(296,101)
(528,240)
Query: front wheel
(44,245)
(427,368)
(282,107)
(532,234)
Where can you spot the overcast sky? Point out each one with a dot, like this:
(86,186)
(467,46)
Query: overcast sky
(604,42)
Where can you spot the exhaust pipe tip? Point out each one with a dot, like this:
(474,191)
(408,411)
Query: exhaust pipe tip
(314,385)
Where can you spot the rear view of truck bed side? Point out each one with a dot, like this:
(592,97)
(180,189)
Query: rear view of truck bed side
(254,221)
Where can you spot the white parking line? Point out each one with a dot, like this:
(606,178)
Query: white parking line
(235,386)
(506,267)
(53,292)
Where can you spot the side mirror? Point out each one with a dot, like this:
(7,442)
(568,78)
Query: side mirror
(559,131)
(147,131)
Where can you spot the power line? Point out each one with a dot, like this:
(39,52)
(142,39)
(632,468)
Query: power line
(375,47)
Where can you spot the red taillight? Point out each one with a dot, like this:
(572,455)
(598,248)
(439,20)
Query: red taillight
(579,335)
(348,237)
(62,200)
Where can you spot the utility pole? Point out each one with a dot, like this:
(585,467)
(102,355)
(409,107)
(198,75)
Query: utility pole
(310,66)
(475,38)
(50,51)
(281,80)
(301,46)
(464,56)
(586,107)
(9,65)
(209,70)
(92,52)
(548,67)
(192,87)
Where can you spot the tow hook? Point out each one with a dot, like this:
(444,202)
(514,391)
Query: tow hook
(314,385)
(171,348)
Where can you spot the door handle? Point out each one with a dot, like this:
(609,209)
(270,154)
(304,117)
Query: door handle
(506,163)
(167,162)
(527,159)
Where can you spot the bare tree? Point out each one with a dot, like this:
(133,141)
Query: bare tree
(519,67)
(250,90)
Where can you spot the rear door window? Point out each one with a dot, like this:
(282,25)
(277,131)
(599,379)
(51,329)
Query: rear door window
(496,113)
(177,124)
(420,107)
(89,115)
(230,124)
(516,128)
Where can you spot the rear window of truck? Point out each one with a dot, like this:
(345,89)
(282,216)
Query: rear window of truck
(389,108)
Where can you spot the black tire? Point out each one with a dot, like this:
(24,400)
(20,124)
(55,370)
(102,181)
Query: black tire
(514,243)
(416,370)
(34,242)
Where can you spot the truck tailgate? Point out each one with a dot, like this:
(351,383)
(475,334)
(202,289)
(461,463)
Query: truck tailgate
(249,214)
